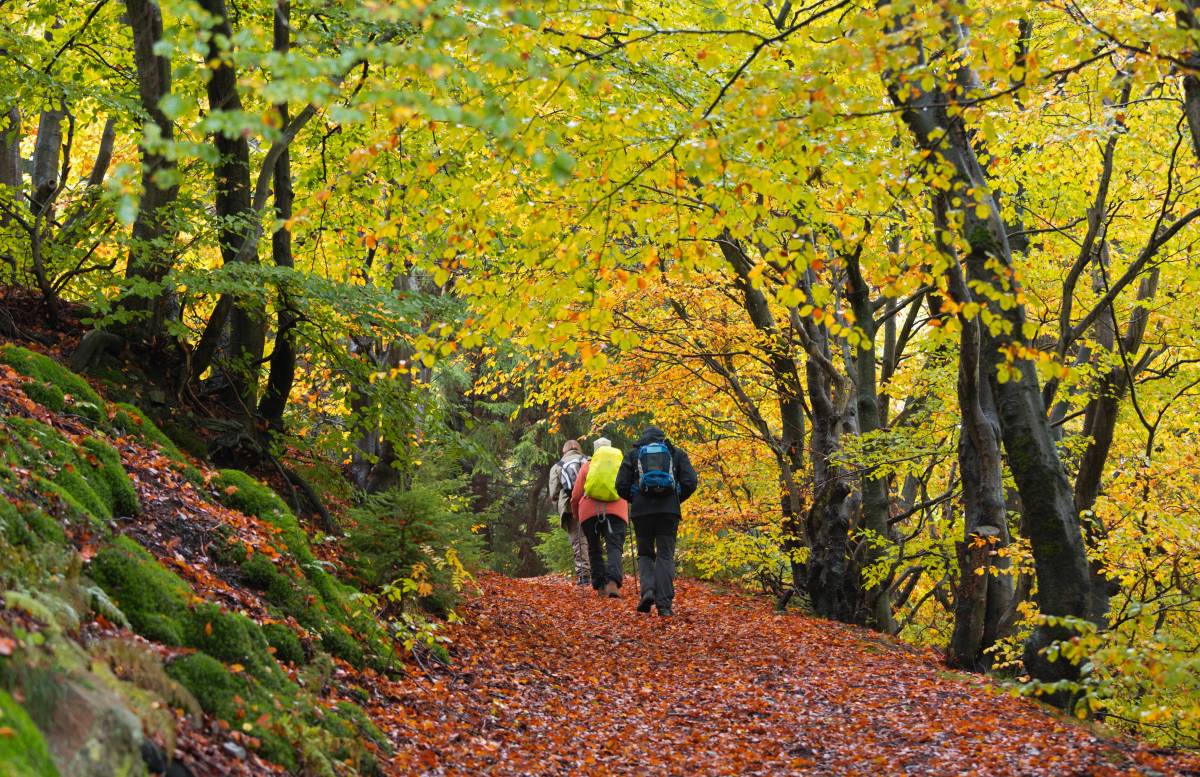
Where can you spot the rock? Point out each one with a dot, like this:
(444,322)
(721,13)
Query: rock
(235,750)
(91,733)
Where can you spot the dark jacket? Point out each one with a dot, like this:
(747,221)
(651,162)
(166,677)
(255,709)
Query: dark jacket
(642,504)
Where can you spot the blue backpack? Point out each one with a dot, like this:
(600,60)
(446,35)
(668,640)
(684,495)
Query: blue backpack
(656,469)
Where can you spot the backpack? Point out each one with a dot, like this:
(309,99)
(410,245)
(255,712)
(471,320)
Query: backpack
(656,469)
(601,482)
(568,471)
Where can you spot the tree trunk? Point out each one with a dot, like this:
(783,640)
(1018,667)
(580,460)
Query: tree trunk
(247,326)
(985,586)
(153,232)
(283,356)
(875,503)
(10,149)
(1064,585)
(45,160)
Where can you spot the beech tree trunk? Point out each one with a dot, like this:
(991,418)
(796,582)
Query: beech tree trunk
(246,335)
(283,356)
(1050,516)
(150,254)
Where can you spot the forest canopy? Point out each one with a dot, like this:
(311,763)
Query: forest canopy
(913,282)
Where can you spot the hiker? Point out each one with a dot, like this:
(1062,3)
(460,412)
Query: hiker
(562,479)
(603,515)
(656,477)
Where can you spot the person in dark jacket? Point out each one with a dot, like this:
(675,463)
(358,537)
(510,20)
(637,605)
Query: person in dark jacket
(655,517)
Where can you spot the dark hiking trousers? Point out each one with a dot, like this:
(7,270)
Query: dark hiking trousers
(605,538)
(656,557)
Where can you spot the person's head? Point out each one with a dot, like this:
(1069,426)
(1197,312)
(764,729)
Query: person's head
(653,433)
(571,446)
(601,442)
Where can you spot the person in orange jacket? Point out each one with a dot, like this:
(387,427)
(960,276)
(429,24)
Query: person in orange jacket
(604,525)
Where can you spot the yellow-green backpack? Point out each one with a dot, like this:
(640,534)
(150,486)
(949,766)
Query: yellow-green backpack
(601,483)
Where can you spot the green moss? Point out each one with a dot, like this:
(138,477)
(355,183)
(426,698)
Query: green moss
(83,398)
(46,452)
(29,525)
(212,685)
(239,491)
(286,643)
(153,598)
(342,645)
(132,421)
(280,590)
(364,727)
(63,501)
(231,637)
(109,474)
(46,395)
(234,698)
(23,753)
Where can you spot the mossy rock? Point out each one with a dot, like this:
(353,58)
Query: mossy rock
(110,477)
(285,642)
(83,399)
(153,598)
(48,453)
(342,645)
(233,698)
(239,491)
(29,525)
(23,753)
(209,682)
(231,637)
(62,501)
(129,419)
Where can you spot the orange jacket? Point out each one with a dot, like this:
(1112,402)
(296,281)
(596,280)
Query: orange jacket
(585,507)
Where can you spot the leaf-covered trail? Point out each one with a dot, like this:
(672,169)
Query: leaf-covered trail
(549,679)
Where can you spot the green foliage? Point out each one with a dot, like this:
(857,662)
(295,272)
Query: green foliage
(554,549)
(152,598)
(57,380)
(209,682)
(406,534)
(23,752)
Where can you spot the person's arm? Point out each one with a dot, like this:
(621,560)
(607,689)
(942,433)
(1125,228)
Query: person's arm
(625,476)
(685,474)
(555,485)
(577,489)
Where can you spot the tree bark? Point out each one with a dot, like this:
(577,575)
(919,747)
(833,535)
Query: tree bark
(247,326)
(10,149)
(283,356)
(46,152)
(875,503)
(153,231)
(1064,585)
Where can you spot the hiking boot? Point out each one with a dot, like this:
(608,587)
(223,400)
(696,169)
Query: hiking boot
(600,592)
(665,612)
(646,603)
(612,590)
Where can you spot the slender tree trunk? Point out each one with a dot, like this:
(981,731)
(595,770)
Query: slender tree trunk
(46,152)
(10,149)
(247,325)
(283,357)
(985,588)
(153,231)
(875,503)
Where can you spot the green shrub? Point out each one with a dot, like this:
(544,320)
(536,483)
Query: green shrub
(554,549)
(397,530)
(23,752)
(114,483)
(286,643)
(84,400)
(152,598)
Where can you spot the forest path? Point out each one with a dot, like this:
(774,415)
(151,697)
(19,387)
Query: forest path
(549,679)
